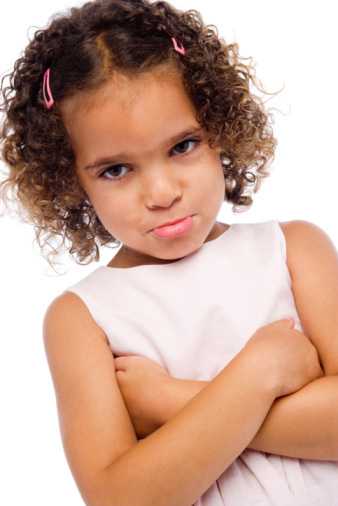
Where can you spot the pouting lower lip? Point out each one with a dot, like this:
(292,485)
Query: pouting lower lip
(177,229)
(170,224)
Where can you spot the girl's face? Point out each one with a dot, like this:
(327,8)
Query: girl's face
(154,172)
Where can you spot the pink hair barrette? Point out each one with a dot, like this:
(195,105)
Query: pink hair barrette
(49,102)
(179,49)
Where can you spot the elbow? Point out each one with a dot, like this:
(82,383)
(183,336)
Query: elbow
(100,489)
(110,488)
(100,494)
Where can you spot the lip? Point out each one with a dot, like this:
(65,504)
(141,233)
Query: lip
(171,222)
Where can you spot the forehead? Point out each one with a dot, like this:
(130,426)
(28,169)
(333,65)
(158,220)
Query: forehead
(124,111)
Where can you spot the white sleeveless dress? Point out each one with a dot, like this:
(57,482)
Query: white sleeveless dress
(193,316)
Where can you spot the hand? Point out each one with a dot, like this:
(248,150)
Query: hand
(142,383)
(284,356)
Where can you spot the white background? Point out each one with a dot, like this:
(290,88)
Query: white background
(293,44)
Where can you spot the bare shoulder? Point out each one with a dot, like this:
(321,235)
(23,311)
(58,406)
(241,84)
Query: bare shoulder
(71,307)
(312,259)
(303,237)
(302,229)
(95,425)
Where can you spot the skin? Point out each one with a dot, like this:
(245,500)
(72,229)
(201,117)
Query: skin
(159,187)
(148,407)
(157,182)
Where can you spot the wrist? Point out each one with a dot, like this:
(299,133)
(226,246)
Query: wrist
(259,370)
(176,394)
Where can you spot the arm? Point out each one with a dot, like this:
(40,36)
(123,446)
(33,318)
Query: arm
(305,423)
(198,432)
(301,425)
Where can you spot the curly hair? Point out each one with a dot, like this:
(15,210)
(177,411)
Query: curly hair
(83,47)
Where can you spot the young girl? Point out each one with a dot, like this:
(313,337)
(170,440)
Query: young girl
(173,365)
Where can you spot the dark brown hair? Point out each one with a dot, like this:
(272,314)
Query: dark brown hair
(83,47)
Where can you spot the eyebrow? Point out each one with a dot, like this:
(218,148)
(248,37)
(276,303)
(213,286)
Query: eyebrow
(111,159)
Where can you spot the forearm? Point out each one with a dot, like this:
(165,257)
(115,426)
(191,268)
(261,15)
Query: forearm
(301,425)
(304,424)
(177,463)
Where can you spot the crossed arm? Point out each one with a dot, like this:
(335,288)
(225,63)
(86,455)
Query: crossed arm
(305,423)
(301,425)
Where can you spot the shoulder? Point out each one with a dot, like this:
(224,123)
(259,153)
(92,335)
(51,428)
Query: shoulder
(68,309)
(302,227)
(306,243)
(95,425)
(312,260)
(67,303)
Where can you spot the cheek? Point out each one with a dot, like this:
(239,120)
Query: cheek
(211,177)
(107,211)
(214,185)
(116,213)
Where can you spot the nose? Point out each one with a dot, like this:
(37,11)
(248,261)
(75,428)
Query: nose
(161,188)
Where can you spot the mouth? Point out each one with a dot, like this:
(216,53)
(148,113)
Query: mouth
(168,223)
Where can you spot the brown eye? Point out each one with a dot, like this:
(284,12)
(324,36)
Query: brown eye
(118,177)
(110,169)
(196,141)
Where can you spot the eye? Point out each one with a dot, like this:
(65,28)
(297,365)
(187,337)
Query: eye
(118,166)
(109,169)
(196,141)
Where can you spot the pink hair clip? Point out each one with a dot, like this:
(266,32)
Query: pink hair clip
(176,46)
(46,84)
(49,102)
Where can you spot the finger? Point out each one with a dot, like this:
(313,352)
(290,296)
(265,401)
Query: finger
(120,363)
(119,376)
(124,359)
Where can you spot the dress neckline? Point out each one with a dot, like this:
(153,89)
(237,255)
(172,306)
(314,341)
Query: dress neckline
(204,246)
